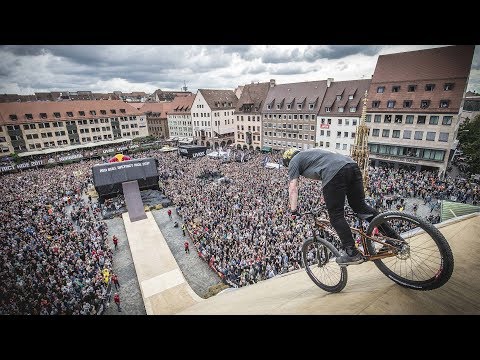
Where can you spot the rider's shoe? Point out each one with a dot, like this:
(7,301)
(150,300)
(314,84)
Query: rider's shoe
(351,256)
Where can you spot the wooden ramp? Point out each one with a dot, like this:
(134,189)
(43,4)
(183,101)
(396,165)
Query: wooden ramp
(133,199)
(368,291)
(164,289)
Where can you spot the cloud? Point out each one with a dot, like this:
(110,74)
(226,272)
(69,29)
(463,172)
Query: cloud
(278,55)
(313,53)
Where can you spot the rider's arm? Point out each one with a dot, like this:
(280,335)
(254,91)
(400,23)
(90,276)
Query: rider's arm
(293,194)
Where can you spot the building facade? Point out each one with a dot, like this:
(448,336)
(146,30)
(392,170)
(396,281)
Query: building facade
(39,125)
(248,116)
(290,113)
(157,121)
(471,107)
(213,117)
(414,102)
(340,114)
(180,117)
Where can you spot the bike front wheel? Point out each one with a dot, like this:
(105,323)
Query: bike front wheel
(319,259)
(424,260)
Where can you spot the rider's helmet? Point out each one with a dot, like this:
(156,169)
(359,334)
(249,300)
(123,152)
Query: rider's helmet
(288,155)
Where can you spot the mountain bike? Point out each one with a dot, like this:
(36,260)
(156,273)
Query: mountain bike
(419,259)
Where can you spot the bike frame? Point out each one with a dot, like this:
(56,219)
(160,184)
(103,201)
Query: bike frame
(324,224)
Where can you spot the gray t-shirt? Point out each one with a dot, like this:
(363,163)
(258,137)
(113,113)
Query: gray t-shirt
(317,164)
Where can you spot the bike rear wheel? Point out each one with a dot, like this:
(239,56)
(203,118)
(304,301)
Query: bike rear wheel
(425,261)
(318,258)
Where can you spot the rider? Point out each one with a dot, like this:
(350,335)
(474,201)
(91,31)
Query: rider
(341,177)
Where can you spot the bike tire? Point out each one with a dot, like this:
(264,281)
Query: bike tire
(330,252)
(419,232)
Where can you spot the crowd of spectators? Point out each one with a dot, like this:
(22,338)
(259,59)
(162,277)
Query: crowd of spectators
(54,252)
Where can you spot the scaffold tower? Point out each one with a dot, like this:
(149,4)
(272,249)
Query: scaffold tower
(359,151)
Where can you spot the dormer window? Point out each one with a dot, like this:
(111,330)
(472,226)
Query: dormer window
(328,109)
(93,112)
(411,88)
(269,107)
(289,106)
(43,115)
(81,113)
(278,106)
(13,117)
(444,103)
(29,116)
(448,86)
(340,109)
(425,104)
(311,106)
(69,114)
(299,106)
(350,97)
(122,111)
(407,104)
(429,87)
(103,112)
(395,88)
(56,114)
(375,104)
(353,108)
(339,97)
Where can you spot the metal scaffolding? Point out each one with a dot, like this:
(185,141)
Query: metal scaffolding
(359,151)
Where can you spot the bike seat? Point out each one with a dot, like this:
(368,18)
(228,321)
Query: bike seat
(364,216)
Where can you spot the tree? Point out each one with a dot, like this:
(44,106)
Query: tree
(469,139)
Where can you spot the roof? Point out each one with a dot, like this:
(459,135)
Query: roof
(253,94)
(311,91)
(436,63)
(182,104)
(161,107)
(137,105)
(49,107)
(219,99)
(356,88)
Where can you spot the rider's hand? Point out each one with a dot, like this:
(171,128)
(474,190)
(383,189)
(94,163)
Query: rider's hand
(294,214)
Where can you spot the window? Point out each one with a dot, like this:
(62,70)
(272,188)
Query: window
(368,118)
(339,134)
(345,134)
(122,111)
(337,146)
(391,103)
(339,97)
(431,135)
(380,89)
(398,119)
(81,113)
(425,104)
(344,147)
(411,88)
(429,87)
(407,134)
(312,117)
(375,104)
(395,88)
(433,120)
(354,122)
(329,121)
(447,120)
(312,127)
(444,103)
(339,121)
(347,122)
(328,109)
(103,112)
(278,106)
(421,119)
(29,116)
(350,97)
(407,104)
(448,86)
(396,134)
(311,106)
(387,119)
(385,133)
(409,119)
(418,135)
(353,108)
(289,106)
(376,132)
(340,109)
(113,111)
(327,144)
(377,118)
(443,137)
(13,117)
(353,135)
(69,114)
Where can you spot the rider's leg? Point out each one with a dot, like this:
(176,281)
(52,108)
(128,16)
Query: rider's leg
(356,200)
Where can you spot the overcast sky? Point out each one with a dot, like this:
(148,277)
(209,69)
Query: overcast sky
(28,69)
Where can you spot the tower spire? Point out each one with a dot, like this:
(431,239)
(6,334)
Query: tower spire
(359,151)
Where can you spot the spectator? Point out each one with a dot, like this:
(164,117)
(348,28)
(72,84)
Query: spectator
(187,249)
(116,298)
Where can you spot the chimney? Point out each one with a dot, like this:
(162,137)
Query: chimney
(329,82)
(272,83)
